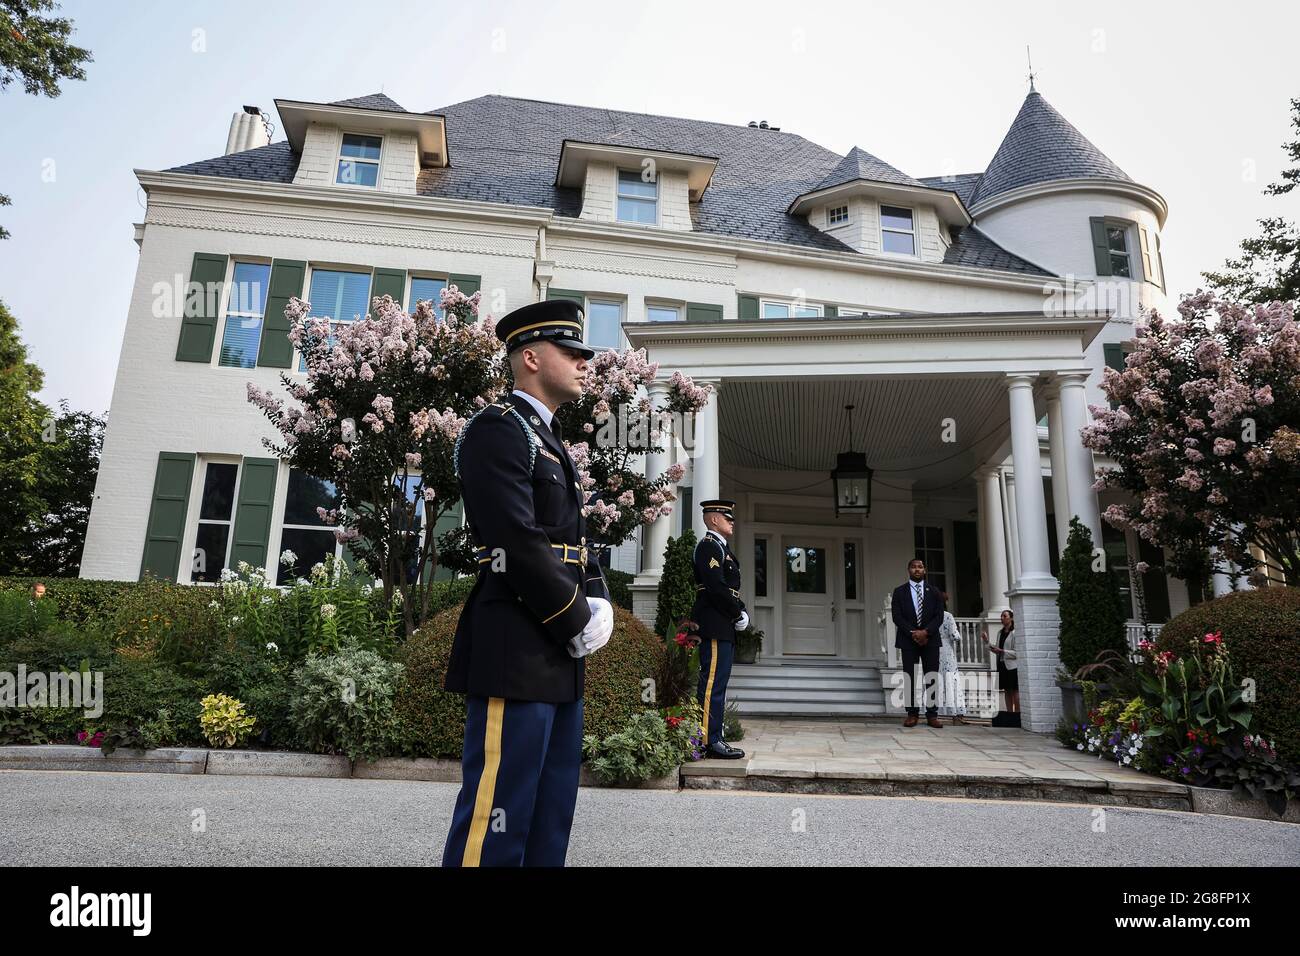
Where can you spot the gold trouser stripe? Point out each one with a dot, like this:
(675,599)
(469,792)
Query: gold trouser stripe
(565,608)
(708,688)
(487,782)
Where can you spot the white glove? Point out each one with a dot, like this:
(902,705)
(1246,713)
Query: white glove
(599,628)
(743,622)
(575,647)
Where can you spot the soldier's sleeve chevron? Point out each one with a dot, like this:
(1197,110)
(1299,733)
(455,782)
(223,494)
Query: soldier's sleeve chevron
(496,478)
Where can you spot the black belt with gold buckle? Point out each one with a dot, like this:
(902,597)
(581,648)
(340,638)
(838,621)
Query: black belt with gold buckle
(569,554)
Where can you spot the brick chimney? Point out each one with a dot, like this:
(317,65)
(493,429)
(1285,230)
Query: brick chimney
(247,131)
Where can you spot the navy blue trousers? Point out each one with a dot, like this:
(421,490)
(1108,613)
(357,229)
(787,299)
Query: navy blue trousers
(711,691)
(519,783)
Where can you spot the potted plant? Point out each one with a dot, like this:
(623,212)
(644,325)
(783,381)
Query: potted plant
(748,643)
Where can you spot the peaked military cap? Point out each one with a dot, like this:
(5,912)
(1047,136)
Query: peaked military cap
(554,320)
(721,505)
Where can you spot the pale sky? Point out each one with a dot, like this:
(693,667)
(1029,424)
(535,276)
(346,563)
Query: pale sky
(1191,99)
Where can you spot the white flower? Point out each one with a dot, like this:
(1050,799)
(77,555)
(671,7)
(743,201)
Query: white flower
(272,646)
(266,599)
(287,557)
(234,620)
(1079,747)
(302,583)
(317,570)
(327,611)
(213,604)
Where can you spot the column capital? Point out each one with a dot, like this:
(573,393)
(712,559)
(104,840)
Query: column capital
(1071,377)
(1023,379)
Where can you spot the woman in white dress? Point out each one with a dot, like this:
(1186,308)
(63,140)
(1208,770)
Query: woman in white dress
(954,698)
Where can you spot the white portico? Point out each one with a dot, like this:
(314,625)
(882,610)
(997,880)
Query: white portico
(946,410)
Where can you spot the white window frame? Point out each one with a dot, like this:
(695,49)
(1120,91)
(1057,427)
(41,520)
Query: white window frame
(622,317)
(1128,227)
(377,163)
(312,268)
(278,515)
(831,212)
(618,197)
(411,278)
(916,245)
(790,306)
(677,308)
(228,291)
(185,573)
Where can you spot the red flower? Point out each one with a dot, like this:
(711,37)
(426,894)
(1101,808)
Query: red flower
(1191,735)
(1216,638)
(673,721)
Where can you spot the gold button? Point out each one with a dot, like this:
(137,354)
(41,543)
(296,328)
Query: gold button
(582,540)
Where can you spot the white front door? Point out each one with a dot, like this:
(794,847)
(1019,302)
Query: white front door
(807,580)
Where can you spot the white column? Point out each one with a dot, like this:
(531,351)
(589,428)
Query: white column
(655,536)
(1033,595)
(1031,509)
(1008,488)
(1060,480)
(704,454)
(1078,460)
(995,542)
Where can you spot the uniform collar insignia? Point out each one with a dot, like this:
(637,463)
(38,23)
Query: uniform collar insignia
(535,420)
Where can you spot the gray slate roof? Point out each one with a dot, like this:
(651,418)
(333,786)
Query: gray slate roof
(859,164)
(373,101)
(1042,145)
(963,184)
(506,149)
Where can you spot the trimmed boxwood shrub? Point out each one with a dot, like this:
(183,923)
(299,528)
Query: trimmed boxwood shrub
(1092,611)
(620,592)
(1261,630)
(432,720)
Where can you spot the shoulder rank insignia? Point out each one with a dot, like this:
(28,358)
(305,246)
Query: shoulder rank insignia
(713,563)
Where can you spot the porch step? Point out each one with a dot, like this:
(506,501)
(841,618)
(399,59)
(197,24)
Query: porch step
(806,688)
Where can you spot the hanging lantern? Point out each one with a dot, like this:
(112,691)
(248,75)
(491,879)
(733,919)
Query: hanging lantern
(851,479)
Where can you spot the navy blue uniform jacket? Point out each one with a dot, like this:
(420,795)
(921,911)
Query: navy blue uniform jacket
(512,635)
(717,590)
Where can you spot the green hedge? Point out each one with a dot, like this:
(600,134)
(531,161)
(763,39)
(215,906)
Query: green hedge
(432,721)
(1261,630)
(619,591)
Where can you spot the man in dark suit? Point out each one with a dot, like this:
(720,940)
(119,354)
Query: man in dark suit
(720,613)
(917,610)
(531,617)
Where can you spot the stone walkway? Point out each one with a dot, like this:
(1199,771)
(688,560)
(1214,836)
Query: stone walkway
(880,756)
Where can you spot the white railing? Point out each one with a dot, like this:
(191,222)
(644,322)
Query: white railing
(1134,633)
(972,653)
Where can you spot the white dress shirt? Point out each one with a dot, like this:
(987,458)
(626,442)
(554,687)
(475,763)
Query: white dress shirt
(545,413)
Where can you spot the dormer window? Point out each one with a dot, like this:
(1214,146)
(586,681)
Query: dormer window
(637,199)
(836,215)
(359,160)
(897,231)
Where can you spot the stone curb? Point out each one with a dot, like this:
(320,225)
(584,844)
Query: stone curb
(279,763)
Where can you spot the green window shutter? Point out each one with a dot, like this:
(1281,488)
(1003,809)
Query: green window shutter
(831,312)
(1100,247)
(202,305)
(747,307)
(467,284)
(1160,263)
(165,530)
(578,297)
(253,511)
(1114,353)
(389,282)
(452,519)
(287,276)
(702,312)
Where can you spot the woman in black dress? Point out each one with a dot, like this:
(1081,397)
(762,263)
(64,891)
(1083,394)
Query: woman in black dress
(1008,668)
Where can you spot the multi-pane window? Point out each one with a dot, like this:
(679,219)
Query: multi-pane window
(760,567)
(216,512)
(359,160)
(1117,246)
(929,548)
(340,296)
(637,199)
(784,310)
(304,533)
(850,571)
(897,232)
(244,310)
(837,214)
(662,313)
(603,324)
(423,289)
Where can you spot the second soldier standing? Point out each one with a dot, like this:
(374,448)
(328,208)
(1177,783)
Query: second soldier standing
(720,613)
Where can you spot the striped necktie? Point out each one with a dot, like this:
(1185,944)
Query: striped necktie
(920,602)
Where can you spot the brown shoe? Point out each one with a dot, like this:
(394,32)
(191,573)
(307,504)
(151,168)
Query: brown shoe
(910,720)
(934,722)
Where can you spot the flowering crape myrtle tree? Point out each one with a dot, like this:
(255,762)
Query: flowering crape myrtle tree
(610,427)
(1205,431)
(385,398)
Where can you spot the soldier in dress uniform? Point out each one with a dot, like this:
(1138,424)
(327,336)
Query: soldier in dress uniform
(536,610)
(720,613)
